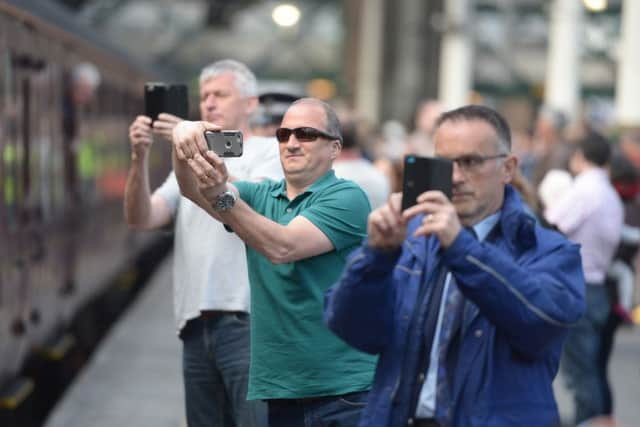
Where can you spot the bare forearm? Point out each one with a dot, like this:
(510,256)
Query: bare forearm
(137,199)
(262,234)
(203,177)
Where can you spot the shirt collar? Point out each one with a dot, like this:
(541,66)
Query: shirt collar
(485,226)
(324,181)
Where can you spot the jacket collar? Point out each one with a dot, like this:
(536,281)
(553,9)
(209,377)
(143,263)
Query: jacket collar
(515,217)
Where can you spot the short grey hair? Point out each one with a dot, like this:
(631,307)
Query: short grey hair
(482,113)
(245,80)
(333,124)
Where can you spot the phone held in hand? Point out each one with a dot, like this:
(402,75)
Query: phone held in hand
(424,174)
(169,98)
(225,143)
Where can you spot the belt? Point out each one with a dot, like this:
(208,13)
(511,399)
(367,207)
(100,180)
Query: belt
(299,402)
(305,400)
(426,422)
(208,314)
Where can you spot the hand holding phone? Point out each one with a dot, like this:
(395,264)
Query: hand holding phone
(424,174)
(225,143)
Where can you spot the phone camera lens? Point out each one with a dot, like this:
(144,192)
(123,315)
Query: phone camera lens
(227,144)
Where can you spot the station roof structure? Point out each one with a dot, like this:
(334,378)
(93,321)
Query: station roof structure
(510,37)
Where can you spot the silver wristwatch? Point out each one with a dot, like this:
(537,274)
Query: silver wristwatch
(224,201)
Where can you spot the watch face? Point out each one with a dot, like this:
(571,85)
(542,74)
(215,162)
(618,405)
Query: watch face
(225,201)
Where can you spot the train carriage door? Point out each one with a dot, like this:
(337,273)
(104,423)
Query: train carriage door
(14,290)
(24,62)
(6,339)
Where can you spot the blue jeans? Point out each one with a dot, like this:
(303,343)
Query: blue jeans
(332,411)
(215,363)
(580,362)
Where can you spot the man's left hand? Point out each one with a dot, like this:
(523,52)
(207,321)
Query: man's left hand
(440,217)
(164,125)
(189,140)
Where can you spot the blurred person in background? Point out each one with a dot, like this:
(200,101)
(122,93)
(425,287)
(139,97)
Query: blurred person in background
(80,87)
(79,91)
(589,213)
(421,139)
(390,152)
(523,147)
(350,164)
(620,280)
(268,115)
(552,188)
(550,147)
(210,275)
(630,146)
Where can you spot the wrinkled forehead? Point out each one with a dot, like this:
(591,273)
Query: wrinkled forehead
(305,114)
(222,81)
(460,137)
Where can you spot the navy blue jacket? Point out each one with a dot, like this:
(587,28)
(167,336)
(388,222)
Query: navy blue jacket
(523,288)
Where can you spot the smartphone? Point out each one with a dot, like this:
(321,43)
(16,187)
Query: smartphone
(424,174)
(225,143)
(169,98)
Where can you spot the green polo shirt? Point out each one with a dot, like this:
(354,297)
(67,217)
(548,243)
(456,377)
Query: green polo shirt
(293,353)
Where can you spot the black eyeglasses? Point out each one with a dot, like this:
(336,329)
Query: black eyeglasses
(472,162)
(303,134)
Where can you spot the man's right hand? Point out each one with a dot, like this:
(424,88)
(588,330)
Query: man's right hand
(386,228)
(140,135)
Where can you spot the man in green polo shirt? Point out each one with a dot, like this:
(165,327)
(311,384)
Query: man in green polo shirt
(299,232)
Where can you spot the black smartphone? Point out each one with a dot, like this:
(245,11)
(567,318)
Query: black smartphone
(169,98)
(225,143)
(424,174)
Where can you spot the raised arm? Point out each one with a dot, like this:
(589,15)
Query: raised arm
(202,176)
(142,210)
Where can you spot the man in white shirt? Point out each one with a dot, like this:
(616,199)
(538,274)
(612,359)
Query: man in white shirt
(211,285)
(589,213)
(351,165)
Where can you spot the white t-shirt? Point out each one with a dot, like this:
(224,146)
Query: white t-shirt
(374,183)
(210,265)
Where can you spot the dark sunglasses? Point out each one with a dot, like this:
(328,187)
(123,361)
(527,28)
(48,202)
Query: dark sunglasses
(303,134)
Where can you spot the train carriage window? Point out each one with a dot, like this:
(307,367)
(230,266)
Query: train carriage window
(11,185)
(43,115)
(4,263)
(3,84)
(57,176)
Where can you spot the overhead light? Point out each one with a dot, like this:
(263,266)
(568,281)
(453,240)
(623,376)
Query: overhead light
(595,5)
(286,15)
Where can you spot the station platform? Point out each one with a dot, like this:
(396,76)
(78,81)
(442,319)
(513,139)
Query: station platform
(134,377)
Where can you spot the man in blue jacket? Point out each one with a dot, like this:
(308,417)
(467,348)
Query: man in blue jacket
(466,301)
